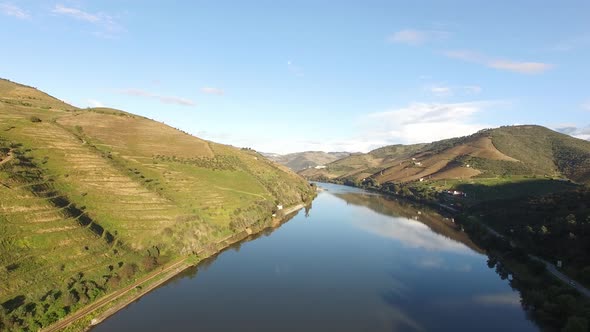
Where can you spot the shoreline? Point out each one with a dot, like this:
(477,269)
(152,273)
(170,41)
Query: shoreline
(165,274)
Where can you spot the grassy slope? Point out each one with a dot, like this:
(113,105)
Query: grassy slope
(91,197)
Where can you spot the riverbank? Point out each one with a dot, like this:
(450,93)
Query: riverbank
(91,315)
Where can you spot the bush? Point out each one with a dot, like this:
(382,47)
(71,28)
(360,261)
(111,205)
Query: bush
(128,270)
(34,119)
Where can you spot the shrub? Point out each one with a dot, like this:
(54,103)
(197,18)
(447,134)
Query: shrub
(34,119)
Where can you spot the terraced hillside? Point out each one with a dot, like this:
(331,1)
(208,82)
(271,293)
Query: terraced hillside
(505,151)
(90,199)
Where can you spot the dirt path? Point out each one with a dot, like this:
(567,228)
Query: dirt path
(241,192)
(551,268)
(109,298)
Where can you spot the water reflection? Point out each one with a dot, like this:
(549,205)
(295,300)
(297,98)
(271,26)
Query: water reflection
(411,224)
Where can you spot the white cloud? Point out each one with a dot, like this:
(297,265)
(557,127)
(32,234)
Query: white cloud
(415,123)
(417,37)
(294,69)
(427,122)
(95,103)
(9,9)
(163,99)
(499,299)
(441,91)
(412,234)
(447,91)
(586,106)
(212,91)
(523,67)
(575,131)
(108,26)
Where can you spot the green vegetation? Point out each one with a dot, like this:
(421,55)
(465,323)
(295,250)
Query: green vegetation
(91,200)
(552,304)
(546,151)
(554,226)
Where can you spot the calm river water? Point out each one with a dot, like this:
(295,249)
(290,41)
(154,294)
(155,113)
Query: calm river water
(356,262)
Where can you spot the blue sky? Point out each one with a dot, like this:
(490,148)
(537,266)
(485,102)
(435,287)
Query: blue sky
(285,76)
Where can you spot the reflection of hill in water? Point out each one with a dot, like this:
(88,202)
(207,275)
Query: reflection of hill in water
(395,208)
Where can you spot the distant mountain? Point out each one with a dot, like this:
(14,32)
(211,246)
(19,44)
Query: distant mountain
(308,159)
(527,150)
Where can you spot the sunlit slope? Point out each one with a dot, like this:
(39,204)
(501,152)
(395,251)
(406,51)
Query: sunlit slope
(505,151)
(86,193)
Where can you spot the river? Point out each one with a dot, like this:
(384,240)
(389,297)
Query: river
(356,261)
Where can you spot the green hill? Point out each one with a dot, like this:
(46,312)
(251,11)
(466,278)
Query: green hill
(502,152)
(92,198)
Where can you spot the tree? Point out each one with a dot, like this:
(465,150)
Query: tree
(576,324)
(586,274)
(128,270)
(571,219)
(149,263)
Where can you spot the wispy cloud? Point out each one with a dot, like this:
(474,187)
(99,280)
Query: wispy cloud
(161,98)
(586,106)
(77,14)
(108,26)
(295,69)
(212,91)
(440,90)
(472,89)
(417,37)
(95,103)
(523,67)
(9,9)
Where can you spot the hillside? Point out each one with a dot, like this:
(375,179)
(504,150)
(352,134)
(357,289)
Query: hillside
(506,151)
(90,199)
(302,160)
